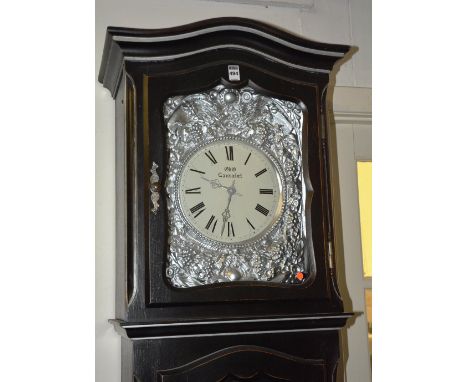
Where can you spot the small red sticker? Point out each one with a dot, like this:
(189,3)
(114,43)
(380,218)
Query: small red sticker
(299,276)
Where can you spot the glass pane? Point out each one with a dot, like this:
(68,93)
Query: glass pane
(369,319)
(235,189)
(364,171)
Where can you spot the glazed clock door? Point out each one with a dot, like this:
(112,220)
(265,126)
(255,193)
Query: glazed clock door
(236,189)
(238,210)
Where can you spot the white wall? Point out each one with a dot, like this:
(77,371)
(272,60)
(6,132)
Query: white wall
(333,21)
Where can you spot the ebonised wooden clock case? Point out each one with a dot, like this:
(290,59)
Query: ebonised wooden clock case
(237,331)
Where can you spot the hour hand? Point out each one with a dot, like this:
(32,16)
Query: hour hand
(215,183)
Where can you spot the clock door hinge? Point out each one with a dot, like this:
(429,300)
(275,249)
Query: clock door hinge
(330,255)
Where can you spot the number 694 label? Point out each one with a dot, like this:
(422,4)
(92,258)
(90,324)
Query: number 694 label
(234,72)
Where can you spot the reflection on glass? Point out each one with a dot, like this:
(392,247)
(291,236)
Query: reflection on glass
(369,318)
(364,173)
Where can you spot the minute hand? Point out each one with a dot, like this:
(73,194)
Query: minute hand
(226,213)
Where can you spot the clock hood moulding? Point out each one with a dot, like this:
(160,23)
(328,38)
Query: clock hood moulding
(152,45)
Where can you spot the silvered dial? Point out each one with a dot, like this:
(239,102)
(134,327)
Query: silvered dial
(230,191)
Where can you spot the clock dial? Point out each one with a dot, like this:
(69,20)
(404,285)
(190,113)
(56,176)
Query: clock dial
(230,191)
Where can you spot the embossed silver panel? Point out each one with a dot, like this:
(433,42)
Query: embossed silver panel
(273,125)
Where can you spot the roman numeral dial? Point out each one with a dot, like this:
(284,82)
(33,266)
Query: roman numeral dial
(229,152)
(208,225)
(211,157)
(231,229)
(195,190)
(262,209)
(197,207)
(250,223)
(262,171)
(230,192)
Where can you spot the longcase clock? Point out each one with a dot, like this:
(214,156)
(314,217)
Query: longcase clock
(225,242)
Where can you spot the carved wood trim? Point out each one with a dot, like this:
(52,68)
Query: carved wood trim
(247,363)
